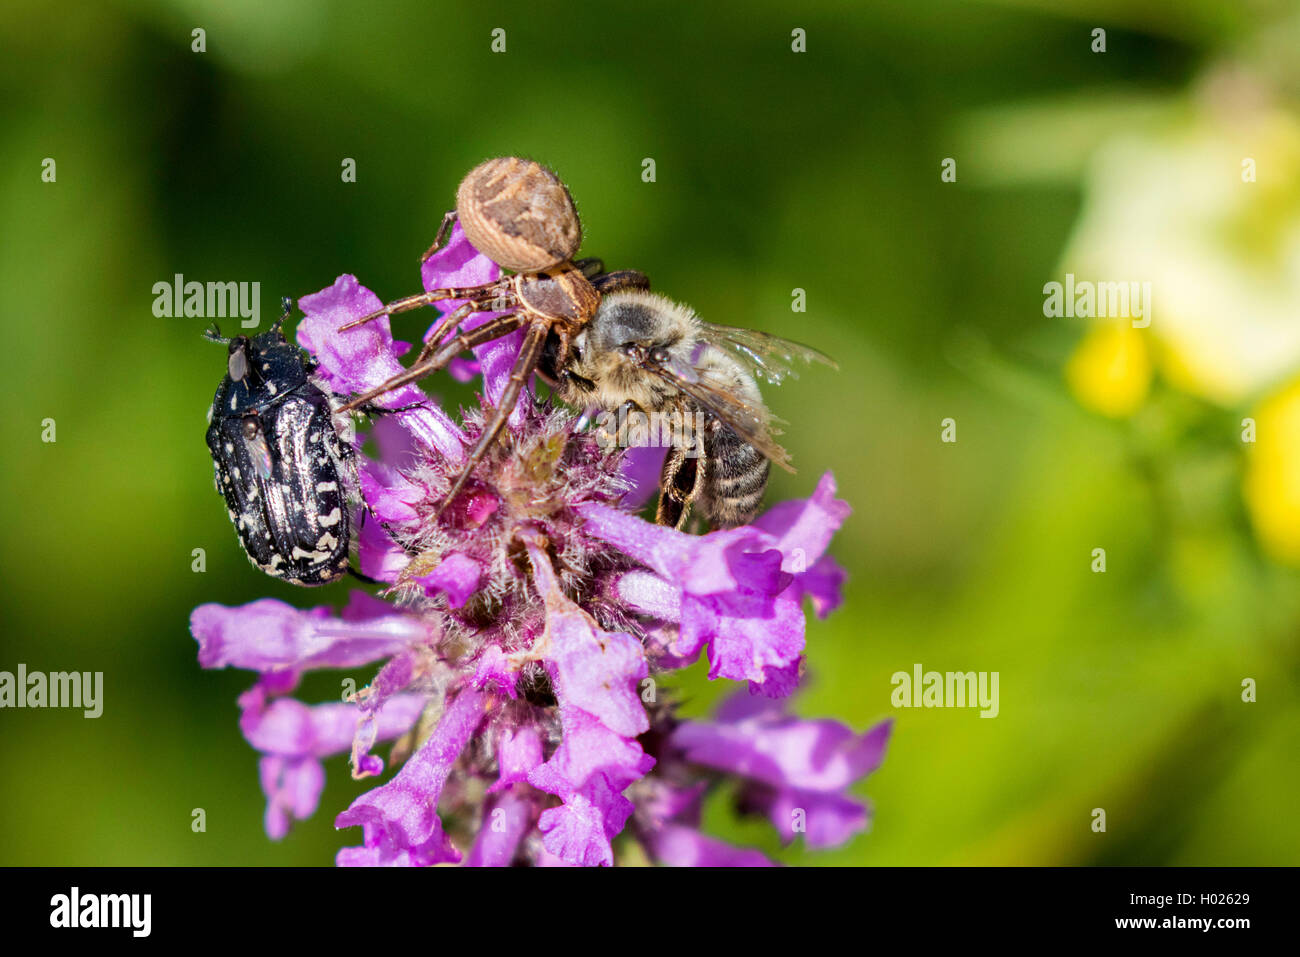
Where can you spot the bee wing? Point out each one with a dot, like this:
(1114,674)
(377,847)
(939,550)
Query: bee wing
(753,425)
(769,357)
(681,371)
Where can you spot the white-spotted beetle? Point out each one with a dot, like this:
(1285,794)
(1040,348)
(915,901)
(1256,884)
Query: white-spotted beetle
(279,460)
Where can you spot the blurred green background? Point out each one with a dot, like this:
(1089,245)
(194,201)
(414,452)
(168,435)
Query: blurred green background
(774,170)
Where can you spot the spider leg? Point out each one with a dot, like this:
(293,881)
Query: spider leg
(594,269)
(562,349)
(454,318)
(606,282)
(440,328)
(529,353)
(493,329)
(441,235)
(591,266)
(486,291)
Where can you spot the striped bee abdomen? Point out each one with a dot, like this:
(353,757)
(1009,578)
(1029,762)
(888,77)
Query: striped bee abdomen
(735,479)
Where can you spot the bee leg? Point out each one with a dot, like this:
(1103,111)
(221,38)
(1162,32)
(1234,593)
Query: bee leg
(529,354)
(493,329)
(680,484)
(486,291)
(440,236)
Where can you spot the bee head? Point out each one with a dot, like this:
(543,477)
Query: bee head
(624,321)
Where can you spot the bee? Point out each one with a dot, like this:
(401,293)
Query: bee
(642,351)
(519,214)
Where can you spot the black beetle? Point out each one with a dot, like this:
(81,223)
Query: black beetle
(279,460)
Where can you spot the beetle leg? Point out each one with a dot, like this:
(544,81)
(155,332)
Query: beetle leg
(286,310)
(373,410)
(492,329)
(529,354)
(365,578)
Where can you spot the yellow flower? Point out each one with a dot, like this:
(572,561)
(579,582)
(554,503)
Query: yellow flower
(1272,482)
(1205,207)
(1110,372)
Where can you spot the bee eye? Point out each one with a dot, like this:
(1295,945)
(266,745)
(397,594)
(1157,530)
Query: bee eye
(659,355)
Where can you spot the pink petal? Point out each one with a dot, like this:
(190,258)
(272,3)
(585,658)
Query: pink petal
(400,818)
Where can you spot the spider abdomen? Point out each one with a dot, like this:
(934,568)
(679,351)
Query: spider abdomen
(518,214)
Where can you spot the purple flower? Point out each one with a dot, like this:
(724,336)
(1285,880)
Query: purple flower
(400,819)
(796,770)
(294,737)
(270,636)
(521,632)
(736,592)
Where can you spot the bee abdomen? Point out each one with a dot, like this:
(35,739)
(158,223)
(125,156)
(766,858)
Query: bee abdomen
(735,481)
